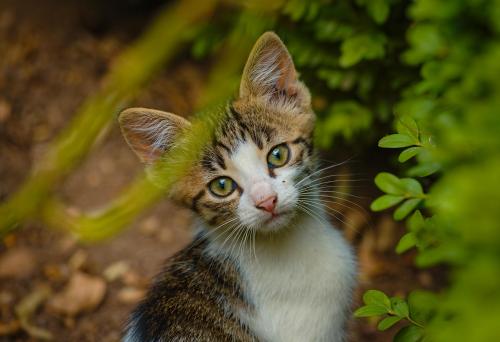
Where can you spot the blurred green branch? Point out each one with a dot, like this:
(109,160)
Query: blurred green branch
(132,69)
(147,190)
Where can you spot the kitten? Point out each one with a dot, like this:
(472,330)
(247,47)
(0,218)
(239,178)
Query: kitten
(266,265)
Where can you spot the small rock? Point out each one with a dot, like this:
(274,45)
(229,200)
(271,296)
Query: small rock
(83,293)
(131,295)
(115,270)
(18,263)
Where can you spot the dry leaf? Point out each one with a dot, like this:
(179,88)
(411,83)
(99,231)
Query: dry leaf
(83,293)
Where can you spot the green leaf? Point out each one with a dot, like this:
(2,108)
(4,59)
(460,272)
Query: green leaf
(409,153)
(396,141)
(388,322)
(376,297)
(370,310)
(410,333)
(400,307)
(404,209)
(406,125)
(412,186)
(408,241)
(424,170)
(389,183)
(416,222)
(385,201)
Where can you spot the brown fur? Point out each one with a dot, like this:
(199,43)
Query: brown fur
(193,299)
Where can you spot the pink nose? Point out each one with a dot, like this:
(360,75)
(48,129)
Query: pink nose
(268,204)
(263,196)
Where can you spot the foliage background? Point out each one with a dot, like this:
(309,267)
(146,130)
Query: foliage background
(419,78)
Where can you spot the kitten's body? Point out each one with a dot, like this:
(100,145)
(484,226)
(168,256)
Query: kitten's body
(295,286)
(266,265)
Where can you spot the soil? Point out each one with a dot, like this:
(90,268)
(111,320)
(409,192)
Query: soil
(51,58)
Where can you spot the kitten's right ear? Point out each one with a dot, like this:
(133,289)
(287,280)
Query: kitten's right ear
(150,132)
(269,72)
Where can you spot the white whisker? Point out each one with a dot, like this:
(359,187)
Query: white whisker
(323,169)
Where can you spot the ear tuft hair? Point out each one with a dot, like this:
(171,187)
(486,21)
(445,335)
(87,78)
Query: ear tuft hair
(270,72)
(150,132)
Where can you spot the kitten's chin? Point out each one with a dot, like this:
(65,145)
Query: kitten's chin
(278,222)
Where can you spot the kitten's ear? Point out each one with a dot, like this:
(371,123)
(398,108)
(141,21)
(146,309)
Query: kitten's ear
(270,72)
(150,132)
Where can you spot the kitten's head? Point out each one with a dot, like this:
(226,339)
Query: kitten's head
(247,176)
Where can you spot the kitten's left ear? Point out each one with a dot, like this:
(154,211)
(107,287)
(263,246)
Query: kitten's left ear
(270,72)
(150,132)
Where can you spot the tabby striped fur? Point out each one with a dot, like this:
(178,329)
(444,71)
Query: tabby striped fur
(279,274)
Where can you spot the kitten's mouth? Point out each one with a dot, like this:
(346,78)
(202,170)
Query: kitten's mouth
(277,220)
(274,216)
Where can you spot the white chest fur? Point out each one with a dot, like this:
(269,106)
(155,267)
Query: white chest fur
(300,284)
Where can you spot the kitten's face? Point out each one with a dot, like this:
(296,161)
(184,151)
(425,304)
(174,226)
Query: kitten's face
(247,176)
(251,169)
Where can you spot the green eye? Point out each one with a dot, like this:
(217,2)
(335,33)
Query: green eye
(222,186)
(278,156)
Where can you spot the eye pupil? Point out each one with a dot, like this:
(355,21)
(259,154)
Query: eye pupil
(222,186)
(278,156)
(276,153)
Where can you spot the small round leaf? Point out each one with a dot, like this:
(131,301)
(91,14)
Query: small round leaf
(412,186)
(385,201)
(408,241)
(400,307)
(404,209)
(409,153)
(389,183)
(396,141)
(370,310)
(377,298)
(388,322)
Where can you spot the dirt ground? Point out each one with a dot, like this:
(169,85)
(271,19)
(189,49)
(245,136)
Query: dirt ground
(51,58)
